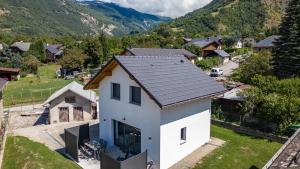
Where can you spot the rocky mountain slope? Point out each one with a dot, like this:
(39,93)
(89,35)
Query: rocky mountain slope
(69,17)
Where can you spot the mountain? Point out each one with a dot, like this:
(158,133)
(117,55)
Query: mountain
(70,17)
(230,17)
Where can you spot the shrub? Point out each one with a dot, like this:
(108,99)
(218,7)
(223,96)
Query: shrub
(209,63)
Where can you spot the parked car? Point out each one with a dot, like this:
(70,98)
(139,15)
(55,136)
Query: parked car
(215,72)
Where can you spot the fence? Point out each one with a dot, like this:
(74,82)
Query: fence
(248,131)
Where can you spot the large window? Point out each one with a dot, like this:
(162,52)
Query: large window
(70,99)
(115,91)
(183,135)
(135,95)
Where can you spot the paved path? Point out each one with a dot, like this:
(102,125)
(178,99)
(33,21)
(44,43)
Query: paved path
(229,67)
(195,157)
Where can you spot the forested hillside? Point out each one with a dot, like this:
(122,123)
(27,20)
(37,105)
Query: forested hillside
(68,17)
(230,17)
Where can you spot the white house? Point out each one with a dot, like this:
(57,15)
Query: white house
(161,104)
(72,103)
(239,44)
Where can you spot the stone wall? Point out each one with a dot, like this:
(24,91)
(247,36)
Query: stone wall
(248,131)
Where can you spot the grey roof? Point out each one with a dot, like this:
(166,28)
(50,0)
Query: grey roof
(268,42)
(54,49)
(23,46)
(221,53)
(202,42)
(170,79)
(2,84)
(75,88)
(160,52)
(288,156)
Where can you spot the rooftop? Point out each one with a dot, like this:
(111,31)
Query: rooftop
(166,79)
(75,88)
(288,156)
(160,52)
(202,42)
(54,49)
(268,42)
(23,46)
(9,70)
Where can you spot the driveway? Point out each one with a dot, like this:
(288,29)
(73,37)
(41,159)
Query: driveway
(229,68)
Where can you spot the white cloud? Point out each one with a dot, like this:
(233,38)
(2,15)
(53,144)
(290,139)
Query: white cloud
(171,8)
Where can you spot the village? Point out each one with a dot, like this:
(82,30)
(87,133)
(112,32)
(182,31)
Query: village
(164,99)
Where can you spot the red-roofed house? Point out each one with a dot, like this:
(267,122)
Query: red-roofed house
(8,73)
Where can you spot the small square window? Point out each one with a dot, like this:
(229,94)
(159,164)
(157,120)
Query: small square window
(115,91)
(135,95)
(71,99)
(183,135)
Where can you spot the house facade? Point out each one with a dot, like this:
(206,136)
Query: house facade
(53,52)
(143,111)
(2,85)
(9,74)
(72,103)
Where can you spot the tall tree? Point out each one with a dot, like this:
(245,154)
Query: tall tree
(286,60)
(105,48)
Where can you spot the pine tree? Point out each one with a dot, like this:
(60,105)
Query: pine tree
(286,62)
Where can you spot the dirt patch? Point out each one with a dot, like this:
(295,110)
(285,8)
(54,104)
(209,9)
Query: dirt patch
(17,121)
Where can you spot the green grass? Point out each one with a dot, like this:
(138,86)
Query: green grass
(239,152)
(22,153)
(33,89)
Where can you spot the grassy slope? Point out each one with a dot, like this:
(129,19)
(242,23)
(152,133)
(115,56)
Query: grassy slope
(20,152)
(30,89)
(239,151)
(232,17)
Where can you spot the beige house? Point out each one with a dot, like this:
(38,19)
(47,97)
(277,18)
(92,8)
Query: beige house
(2,85)
(72,103)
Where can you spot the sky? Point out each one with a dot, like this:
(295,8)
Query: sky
(170,8)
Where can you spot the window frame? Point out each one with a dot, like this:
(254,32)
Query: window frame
(69,99)
(112,91)
(183,132)
(131,95)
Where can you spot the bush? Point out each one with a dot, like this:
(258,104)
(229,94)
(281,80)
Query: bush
(209,63)
(31,64)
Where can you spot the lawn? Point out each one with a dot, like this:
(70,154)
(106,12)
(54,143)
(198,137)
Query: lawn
(239,152)
(33,89)
(20,152)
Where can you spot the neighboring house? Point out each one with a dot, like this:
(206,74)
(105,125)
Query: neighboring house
(266,44)
(158,104)
(288,156)
(53,52)
(238,44)
(160,52)
(210,46)
(2,85)
(20,47)
(72,103)
(9,73)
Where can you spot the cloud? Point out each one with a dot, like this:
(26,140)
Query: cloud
(171,8)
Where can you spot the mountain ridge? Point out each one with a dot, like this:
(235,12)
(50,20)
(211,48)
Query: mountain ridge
(70,17)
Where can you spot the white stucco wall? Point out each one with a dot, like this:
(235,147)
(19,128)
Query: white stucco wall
(195,116)
(60,102)
(145,117)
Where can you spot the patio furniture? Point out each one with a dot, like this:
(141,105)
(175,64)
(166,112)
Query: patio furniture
(103,144)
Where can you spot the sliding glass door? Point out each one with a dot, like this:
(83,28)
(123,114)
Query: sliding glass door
(127,138)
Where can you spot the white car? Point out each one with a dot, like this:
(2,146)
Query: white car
(216,72)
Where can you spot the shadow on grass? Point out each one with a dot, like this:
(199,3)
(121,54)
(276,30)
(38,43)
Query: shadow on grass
(253,167)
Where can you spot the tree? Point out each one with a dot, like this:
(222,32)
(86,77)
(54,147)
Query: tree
(105,48)
(286,60)
(256,64)
(31,64)
(92,48)
(37,49)
(72,59)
